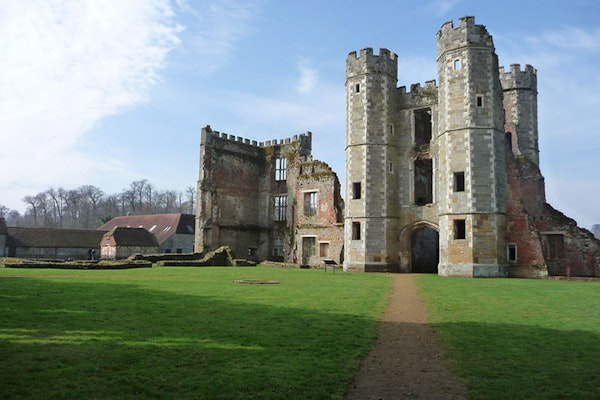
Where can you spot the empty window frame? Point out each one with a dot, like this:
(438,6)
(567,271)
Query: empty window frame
(423,182)
(356,231)
(357,88)
(479,100)
(456,64)
(280,169)
(280,208)
(309,245)
(311,201)
(356,190)
(460,229)
(422,126)
(511,252)
(459,181)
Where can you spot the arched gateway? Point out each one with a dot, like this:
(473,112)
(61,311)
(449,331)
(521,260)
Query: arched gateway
(420,248)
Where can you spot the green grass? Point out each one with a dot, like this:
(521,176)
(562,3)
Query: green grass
(184,333)
(517,338)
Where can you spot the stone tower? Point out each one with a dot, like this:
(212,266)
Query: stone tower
(471,157)
(371,211)
(520,104)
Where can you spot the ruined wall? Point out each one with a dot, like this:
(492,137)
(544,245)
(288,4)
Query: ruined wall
(547,242)
(229,193)
(251,197)
(323,223)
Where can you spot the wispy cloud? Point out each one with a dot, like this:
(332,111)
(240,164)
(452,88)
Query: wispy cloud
(443,7)
(308,76)
(217,28)
(65,66)
(568,62)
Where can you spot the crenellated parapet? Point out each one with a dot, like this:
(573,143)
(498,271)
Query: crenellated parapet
(418,95)
(368,63)
(304,140)
(468,33)
(517,78)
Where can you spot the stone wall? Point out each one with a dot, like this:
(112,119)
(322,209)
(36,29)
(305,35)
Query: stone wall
(252,198)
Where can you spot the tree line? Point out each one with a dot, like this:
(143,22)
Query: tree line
(88,207)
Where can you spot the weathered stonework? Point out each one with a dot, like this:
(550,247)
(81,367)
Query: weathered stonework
(445,178)
(268,200)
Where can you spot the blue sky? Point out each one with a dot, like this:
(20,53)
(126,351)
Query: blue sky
(108,92)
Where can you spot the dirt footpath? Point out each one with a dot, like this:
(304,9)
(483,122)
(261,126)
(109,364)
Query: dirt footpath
(407,361)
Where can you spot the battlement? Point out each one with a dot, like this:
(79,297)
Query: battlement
(416,88)
(367,62)
(305,139)
(517,78)
(468,33)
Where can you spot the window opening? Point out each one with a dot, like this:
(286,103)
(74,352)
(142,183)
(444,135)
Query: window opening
(357,88)
(479,101)
(391,167)
(460,229)
(280,211)
(310,203)
(280,169)
(423,183)
(511,252)
(324,250)
(422,126)
(356,231)
(356,190)
(456,64)
(459,181)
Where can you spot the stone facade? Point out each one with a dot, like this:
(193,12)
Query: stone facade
(267,200)
(445,178)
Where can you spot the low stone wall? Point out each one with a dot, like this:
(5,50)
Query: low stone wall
(220,257)
(76,264)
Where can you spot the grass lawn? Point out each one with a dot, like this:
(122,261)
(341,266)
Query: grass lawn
(518,338)
(184,333)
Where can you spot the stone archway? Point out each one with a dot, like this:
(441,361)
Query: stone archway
(424,249)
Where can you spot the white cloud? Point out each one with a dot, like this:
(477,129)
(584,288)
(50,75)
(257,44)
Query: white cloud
(65,66)
(308,77)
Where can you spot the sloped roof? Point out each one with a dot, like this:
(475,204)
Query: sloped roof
(163,226)
(53,238)
(125,236)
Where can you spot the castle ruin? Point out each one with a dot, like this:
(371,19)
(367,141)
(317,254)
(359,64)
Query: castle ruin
(443,178)
(268,200)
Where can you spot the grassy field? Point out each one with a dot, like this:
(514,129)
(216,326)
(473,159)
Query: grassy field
(184,333)
(192,333)
(517,338)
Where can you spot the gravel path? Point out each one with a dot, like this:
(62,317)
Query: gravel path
(407,360)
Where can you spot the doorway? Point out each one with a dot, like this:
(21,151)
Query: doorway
(425,253)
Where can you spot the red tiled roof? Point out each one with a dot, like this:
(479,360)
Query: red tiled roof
(163,226)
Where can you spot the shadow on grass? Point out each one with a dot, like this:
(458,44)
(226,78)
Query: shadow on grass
(505,361)
(97,340)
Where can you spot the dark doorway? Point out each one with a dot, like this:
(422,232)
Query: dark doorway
(425,251)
